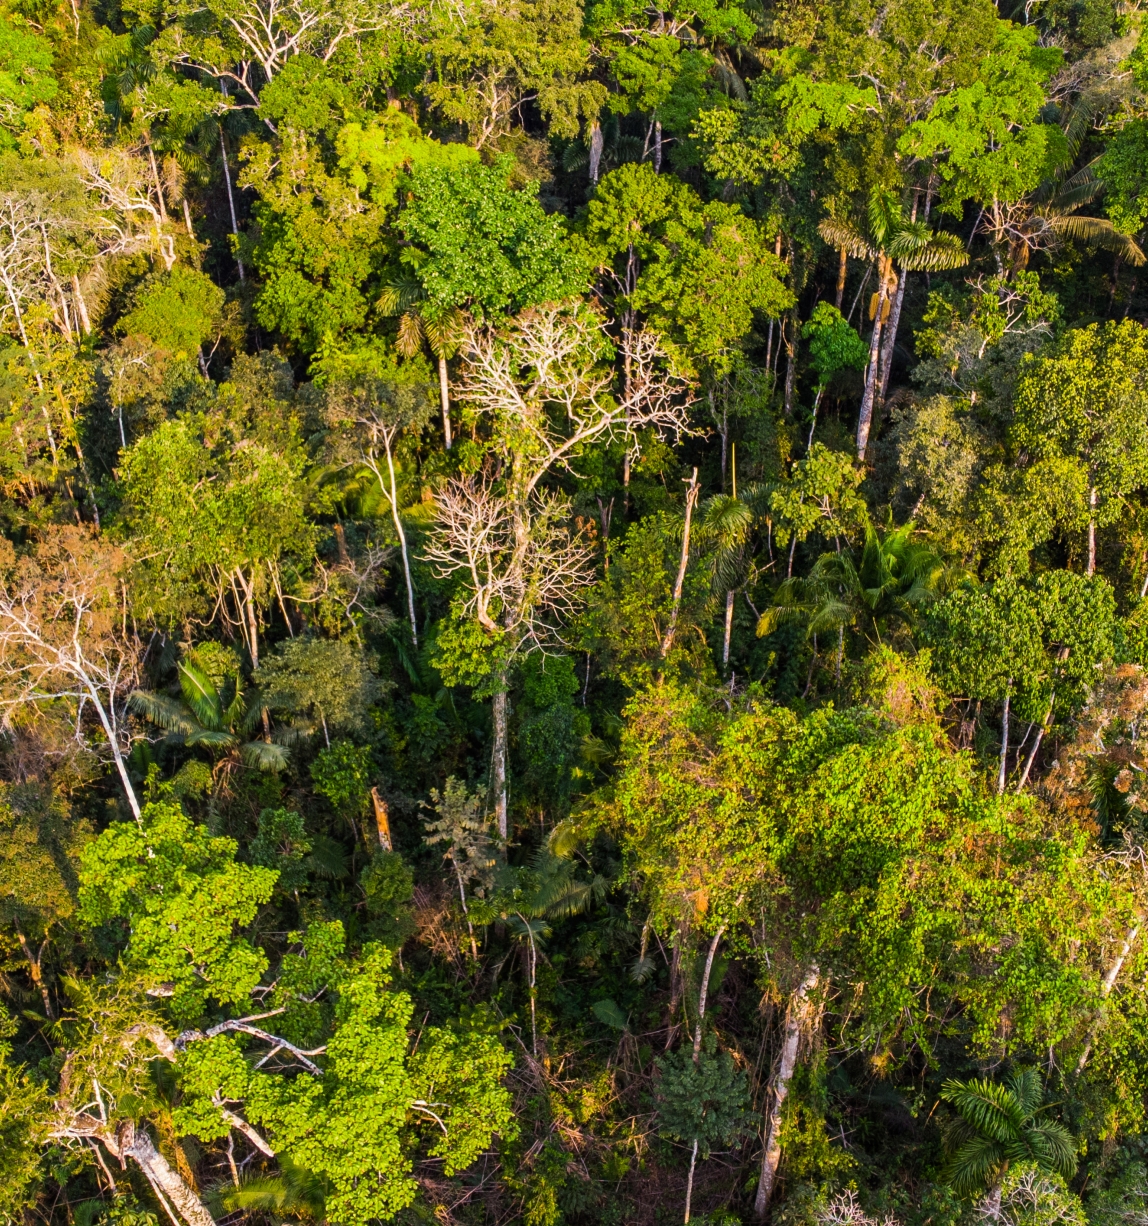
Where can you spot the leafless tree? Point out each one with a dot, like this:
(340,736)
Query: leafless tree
(64,634)
(542,386)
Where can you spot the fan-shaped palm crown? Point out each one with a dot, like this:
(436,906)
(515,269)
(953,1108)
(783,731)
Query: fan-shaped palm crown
(997,1125)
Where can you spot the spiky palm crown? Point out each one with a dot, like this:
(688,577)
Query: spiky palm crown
(997,1125)
(889,234)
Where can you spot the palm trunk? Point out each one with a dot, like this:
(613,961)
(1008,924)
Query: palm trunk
(865,417)
(842,269)
(728,628)
(499,718)
(1004,740)
(796,1019)
(890,340)
(679,582)
(595,150)
(444,396)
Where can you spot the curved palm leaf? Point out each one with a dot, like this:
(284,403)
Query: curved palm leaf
(841,233)
(162,710)
(264,755)
(201,696)
(1101,233)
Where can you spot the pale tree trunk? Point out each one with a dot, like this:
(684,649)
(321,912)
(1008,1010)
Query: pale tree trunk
(498,784)
(690,1181)
(1036,744)
(230,196)
(444,396)
(595,150)
(890,339)
(81,305)
(1091,569)
(130,1142)
(114,744)
(728,628)
(1003,770)
(657,146)
(691,499)
(790,336)
(383,823)
(704,991)
(1106,991)
(393,499)
(796,1021)
(865,417)
(842,269)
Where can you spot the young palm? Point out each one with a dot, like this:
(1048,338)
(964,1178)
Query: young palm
(998,1125)
(724,540)
(893,576)
(419,322)
(219,716)
(897,245)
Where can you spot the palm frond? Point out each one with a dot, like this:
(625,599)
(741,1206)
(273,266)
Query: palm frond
(200,695)
(943,251)
(400,295)
(160,709)
(840,233)
(410,335)
(1101,233)
(264,756)
(213,738)
(974,1164)
(1056,1146)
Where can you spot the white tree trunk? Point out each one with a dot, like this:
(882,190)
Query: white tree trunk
(138,1145)
(500,720)
(444,396)
(728,628)
(393,499)
(691,498)
(1003,770)
(796,1020)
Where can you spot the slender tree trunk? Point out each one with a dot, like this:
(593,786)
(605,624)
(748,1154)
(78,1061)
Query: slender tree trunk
(1106,991)
(393,499)
(703,992)
(842,270)
(35,969)
(155,180)
(498,783)
(813,423)
(81,306)
(865,417)
(444,396)
(230,195)
(187,218)
(114,745)
(679,582)
(657,146)
(790,336)
(728,628)
(595,150)
(383,824)
(1091,570)
(1004,739)
(796,1020)
(890,340)
(690,1180)
(1036,744)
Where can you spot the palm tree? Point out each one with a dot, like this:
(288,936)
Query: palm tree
(420,321)
(897,245)
(998,1125)
(218,714)
(723,539)
(891,579)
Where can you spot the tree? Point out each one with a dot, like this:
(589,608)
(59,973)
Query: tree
(540,385)
(997,1126)
(892,242)
(63,633)
(833,346)
(1083,408)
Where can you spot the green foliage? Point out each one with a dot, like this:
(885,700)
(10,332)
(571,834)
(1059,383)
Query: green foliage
(330,681)
(997,1127)
(182,895)
(342,774)
(477,243)
(833,344)
(357,1124)
(26,79)
(706,1101)
(177,311)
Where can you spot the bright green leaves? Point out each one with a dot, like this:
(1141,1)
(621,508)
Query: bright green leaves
(358,1124)
(478,244)
(987,133)
(211,1072)
(26,79)
(377,155)
(822,496)
(833,344)
(706,269)
(176,311)
(182,895)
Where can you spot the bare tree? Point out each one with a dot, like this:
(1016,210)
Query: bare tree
(370,416)
(543,387)
(129,194)
(64,634)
